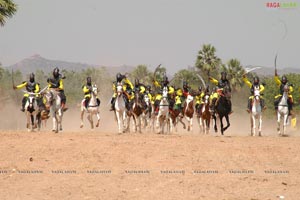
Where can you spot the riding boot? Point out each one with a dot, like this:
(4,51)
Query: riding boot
(290,106)
(64,107)
(276,102)
(213,105)
(262,103)
(230,107)
(23,103)
(112,102)
(86,102)
(98,102)
(249,105)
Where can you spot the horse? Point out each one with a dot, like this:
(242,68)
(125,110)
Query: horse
(92,108)
(162,118)
(283,111)
(31,112)
(256,112)
(53,103)
(120,110)
(223,110)
(205,115)
(188,111)
(137,110)
(148,116)
(175,118)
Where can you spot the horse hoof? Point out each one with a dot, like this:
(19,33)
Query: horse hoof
(81,126)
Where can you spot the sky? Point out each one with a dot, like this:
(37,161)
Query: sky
(150,32)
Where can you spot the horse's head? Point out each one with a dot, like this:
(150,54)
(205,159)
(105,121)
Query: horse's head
(286,88)
(119,90)
(95,90)
(206,99)
(49,96)
(31,99)
(256,93)
(165,93)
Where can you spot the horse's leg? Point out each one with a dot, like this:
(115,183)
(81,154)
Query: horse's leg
(215,123)
(259,124)
(285,121)
(207,125)
(221,123)
(98,118)
(278,123)
(81,118)
(119,120)
(227,121)
(91,120)
(253,125)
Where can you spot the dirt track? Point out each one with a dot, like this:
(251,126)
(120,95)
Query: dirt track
(80,164)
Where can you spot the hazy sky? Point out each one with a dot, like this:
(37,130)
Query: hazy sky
(132,32)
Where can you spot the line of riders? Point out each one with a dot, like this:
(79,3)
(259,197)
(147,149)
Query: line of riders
(176,96)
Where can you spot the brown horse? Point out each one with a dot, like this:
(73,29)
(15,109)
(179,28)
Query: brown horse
(188,110)
(137,110)
(175,117)
(205,115)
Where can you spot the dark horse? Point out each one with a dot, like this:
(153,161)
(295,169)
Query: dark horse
(222,110)
(138,108)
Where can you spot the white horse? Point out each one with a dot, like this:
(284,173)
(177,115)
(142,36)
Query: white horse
(91,109)
(120,110)
(163,113)
(283,111)
(256,112)
(53,102)
(31,111)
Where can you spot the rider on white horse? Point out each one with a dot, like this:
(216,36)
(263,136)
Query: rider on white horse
(281,83)
(87,89)
(31,86)
(158,96)
(57,83)
(127,87)
(252,87)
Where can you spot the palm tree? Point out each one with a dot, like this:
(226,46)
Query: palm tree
(235,73)
(186,75)
(7,10)
(207,61)
(142,73)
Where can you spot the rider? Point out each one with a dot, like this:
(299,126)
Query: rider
(281,83)
(252,86)
(149,93)
(221,84)
(31,86)
(127,87)
(139,87)
(164,83)
(87,89)
(56,82)
(199,99)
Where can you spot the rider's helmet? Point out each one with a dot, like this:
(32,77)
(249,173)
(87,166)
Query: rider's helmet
(148,87)
(165,80)
(89,81)
(223,76)
(185,85)
(31,77)
(56,72)
(136,82)
(256,80)
(119,77)
(284,79)
(200,88)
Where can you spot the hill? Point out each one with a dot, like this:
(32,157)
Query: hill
(37,62)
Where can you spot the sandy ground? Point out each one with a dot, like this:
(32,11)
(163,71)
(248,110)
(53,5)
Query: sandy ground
(100,164)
